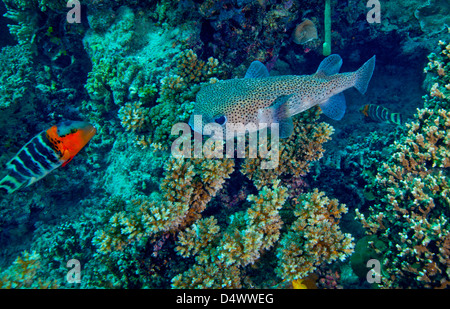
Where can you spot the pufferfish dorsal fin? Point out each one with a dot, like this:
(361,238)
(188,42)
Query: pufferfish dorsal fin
(329,66)
(256,70)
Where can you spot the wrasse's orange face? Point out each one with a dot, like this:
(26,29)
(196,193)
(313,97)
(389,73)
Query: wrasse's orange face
(70,137)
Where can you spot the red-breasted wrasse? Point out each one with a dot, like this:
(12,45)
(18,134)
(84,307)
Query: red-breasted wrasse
(45,152)
(381,114)
(262,99)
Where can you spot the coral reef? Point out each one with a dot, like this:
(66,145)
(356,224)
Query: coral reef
(177,93)
(133,117)
(313,238)
(136,217)
(256,27)
(410,211)
(24,274)
(127,75)
(187,186)
(16,77)
(304,146)
(220,256)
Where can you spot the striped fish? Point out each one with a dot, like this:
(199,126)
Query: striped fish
(45,152)
(381,114)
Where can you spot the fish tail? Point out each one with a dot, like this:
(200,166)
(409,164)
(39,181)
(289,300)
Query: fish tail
(9,185)
(33,162)
(364,110)
(364,74)
(396,118)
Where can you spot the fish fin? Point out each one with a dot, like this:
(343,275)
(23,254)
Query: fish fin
(364,74)
(286,127)
(334,107)
(256,70)
(282,116)
(65,163)
(330,65)
(396,118)
(280,107)
(365,110)
(9,184)
(4,189)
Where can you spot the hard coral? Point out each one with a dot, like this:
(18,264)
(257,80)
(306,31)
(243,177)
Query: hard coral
(412,193)
(133,117)
(186,189)
(177,93)
(16,77)
(314,238)
(304,146)
(221,256)
(23,274)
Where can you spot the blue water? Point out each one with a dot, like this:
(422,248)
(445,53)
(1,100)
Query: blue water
(125,213)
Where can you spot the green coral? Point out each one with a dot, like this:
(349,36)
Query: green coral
(410,212)
(16,77)
(128,70)
(177,93)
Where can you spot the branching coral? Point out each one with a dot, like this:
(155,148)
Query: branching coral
(304,146)
(16,77)
(128,70)
(23,274)
(133,117)
(221,256)
(186,189)
(177,93)
(27,25)
(412,193)
(314,238)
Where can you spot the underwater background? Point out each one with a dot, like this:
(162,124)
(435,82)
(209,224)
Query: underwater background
(363,202)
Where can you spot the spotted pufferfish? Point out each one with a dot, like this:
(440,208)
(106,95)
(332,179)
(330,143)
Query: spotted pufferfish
(262,99)
(45,152)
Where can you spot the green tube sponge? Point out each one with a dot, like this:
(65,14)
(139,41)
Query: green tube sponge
(327,43)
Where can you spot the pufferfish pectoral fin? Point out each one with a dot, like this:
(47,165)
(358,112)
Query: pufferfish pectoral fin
(334,107)
(256,70)
(278,112)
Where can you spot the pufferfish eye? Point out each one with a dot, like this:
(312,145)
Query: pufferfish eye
(221,120)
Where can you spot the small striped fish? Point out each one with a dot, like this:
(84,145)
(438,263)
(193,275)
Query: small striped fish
(45,152)
(381,114)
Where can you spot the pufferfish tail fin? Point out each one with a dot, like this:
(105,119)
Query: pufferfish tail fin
(364,74)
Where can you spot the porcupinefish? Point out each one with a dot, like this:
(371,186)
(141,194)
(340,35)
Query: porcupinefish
(260,99)
(45,152)
(381,114)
